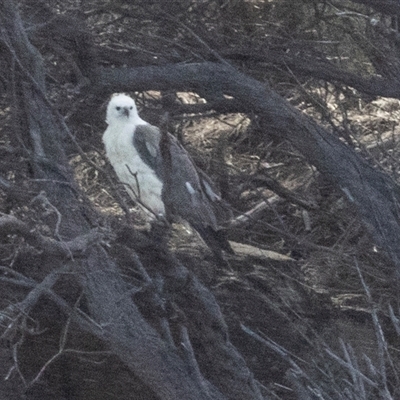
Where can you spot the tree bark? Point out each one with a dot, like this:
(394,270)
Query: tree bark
(374,85)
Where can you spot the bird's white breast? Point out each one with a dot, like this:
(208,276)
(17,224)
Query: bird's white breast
(140,180)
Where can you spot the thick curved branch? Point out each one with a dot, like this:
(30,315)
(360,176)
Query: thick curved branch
(77,247)
(323,69)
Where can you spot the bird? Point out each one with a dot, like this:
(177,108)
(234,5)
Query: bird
(159,174)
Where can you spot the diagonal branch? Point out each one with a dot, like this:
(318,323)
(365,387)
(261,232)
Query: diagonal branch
(387,7)
(68,249)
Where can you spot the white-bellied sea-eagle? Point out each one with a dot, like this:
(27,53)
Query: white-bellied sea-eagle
(159,173)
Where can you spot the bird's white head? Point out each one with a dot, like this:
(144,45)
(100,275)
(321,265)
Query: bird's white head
(121,109)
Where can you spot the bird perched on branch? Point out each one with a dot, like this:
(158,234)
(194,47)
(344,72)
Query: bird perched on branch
(160,175)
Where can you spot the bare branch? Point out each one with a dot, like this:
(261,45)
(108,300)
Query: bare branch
(23,308)
(375,85)
(387,7)
(380,338)
(76,247)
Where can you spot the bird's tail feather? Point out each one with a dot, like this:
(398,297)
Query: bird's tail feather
(216,240)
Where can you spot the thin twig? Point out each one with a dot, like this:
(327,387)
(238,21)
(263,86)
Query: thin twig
(23,308)
(380,337)
(42,198)
(16,363)
(200,40)
(111,181)
(191,358)
(76,246)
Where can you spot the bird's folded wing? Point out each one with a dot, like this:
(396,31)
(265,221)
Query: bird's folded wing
(146,141)
(188,191)
(203,185)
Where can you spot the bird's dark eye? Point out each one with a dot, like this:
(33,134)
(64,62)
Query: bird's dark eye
(118,108)
(130,107)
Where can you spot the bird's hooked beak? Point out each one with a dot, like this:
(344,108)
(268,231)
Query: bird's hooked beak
(125,111)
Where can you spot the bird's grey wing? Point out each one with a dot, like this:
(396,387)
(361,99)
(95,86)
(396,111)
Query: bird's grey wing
(202,183)
(186,196)
(186,191)
(193,192)
(221,208)
(146,141)
(182,188)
